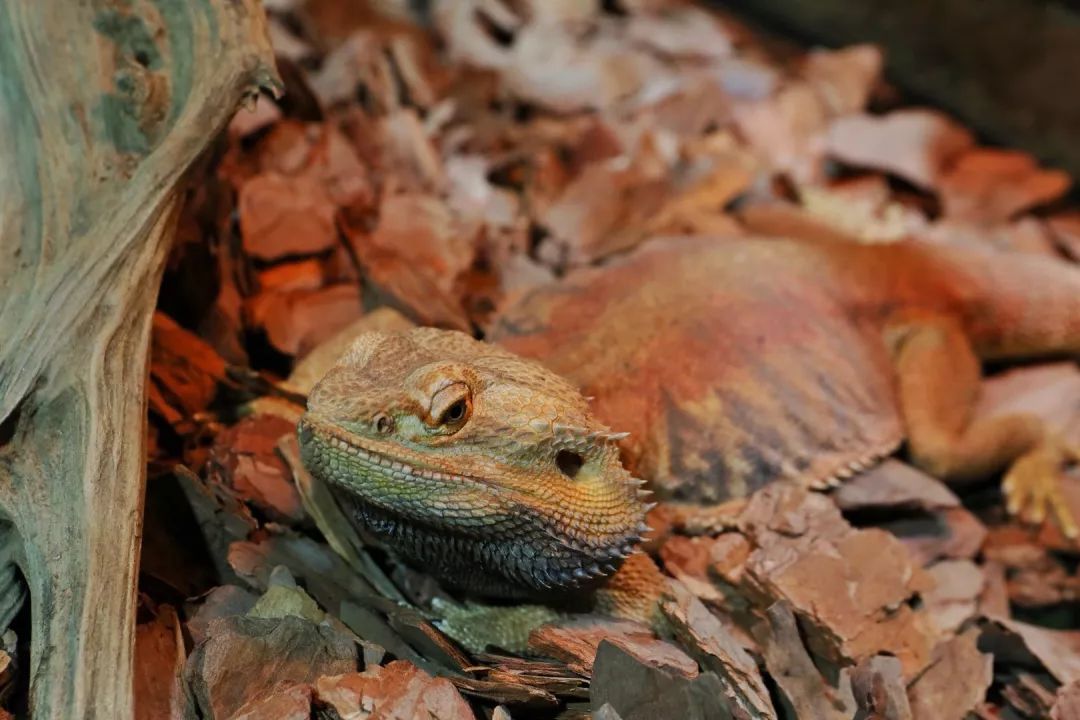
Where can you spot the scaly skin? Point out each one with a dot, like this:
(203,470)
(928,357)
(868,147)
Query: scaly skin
(490,471)
(482,467)
(734,363)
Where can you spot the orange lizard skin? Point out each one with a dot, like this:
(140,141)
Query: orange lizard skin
(733,363)
(794,359)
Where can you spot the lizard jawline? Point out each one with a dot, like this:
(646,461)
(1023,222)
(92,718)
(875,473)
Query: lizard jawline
(515,555)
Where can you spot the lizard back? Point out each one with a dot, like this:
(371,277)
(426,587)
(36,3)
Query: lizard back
(730,365)
(736,362)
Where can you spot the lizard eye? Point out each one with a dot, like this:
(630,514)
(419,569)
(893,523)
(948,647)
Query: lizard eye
(451,406)
(455,412)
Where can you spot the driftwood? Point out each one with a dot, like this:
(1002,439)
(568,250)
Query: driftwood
(103,106)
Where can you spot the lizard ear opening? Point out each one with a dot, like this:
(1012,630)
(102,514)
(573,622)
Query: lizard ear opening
(569,463)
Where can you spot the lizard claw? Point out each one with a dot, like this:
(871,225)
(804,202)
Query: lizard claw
(1032,488)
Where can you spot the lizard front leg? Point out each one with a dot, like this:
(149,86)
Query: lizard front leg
(938,382)
(477,626)
(632,593)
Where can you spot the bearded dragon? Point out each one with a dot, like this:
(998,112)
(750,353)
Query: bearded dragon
(492,472)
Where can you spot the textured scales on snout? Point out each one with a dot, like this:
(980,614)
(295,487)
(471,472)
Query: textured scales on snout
(483,468)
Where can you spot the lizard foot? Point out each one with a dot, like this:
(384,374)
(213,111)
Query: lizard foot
(476,626)
(1032,486)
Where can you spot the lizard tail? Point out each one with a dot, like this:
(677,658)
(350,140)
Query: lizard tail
(1017,304)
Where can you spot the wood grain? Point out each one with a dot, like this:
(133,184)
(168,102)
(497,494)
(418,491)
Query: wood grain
(103,106)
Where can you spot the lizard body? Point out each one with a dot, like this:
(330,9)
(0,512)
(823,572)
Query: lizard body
(802,360)
(734,363)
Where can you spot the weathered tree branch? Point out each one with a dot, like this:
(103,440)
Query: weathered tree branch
(103,106)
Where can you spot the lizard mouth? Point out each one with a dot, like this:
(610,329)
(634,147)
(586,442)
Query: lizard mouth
(379,456)
(473,532)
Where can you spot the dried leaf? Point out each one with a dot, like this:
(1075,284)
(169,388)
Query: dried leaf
(916,145)
(773,218)
(638,689)
(288,702)
(244,658)
(359,62)
(547,63)
(717,650)
(953,598)
(335,164)
(283,600)
(1057,650)
(862,208)
(688,560)
(683,31)
(398,690)
(302,275)
(950,533)
(1026,234)
(244,458)
(298,320)
(575,642)
(1067,705)
(248,121)
(724,173)
(159,659)
(407,153)
(221,602)
(956,681)
(185,373)
(994,601)
(282,216)
(788,662)
(989,186)
(689,106)
(787,130)
(416,254)
(745,78)
(474,197)
(844,78)
(604,209)
(286,43)
(879,689)
(894,484)
(804,551)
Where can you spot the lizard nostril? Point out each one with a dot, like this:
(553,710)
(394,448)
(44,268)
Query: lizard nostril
(569,463)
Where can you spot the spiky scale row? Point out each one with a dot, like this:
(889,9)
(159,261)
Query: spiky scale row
(852,468)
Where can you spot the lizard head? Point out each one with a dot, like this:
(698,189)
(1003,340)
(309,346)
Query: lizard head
(481,467)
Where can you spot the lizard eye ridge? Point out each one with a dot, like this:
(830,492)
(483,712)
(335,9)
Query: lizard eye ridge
(451,406)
